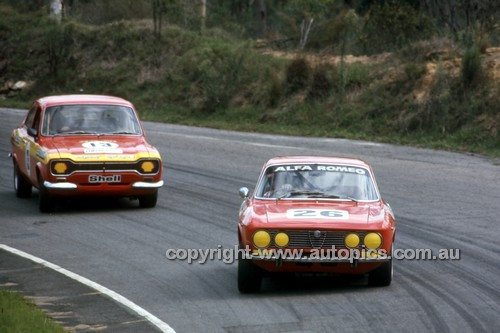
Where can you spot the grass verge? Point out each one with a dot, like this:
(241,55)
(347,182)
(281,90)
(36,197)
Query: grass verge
(19,315)
(249,119)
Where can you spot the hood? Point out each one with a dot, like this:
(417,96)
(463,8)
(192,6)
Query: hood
(319,214)
(88,145)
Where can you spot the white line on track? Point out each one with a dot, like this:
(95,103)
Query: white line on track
(246,142)
(203,137)
(164,327)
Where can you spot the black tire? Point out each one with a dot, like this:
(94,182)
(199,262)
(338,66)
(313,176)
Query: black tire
(21,186)
(382,276)
(148,201)
(249,276)
(46,202)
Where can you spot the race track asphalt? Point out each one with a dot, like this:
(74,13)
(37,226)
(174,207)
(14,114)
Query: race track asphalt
(440,199)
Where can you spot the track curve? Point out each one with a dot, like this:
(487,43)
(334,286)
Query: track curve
(441,200)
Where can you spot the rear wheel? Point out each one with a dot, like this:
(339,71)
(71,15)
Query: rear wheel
(46,202)
(148,201)
(249,276)
(21,186)
(382,276)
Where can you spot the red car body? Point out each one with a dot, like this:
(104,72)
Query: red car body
(273,216)
(94,164)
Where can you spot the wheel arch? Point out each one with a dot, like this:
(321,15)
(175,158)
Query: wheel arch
(15,159)
(39,174)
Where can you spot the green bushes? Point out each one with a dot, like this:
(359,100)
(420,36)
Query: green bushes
(214,69)
(216,79)
(58,41)
(392,25)
(414,71)
(322,82)
(297,75)
(106,11)
(472,67)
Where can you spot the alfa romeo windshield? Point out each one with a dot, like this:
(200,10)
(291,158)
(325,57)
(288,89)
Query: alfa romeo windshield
(317,181)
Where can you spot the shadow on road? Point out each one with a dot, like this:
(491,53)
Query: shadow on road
(307,283)
(73,205)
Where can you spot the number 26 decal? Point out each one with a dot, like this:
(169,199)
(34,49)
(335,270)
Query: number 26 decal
(317,214)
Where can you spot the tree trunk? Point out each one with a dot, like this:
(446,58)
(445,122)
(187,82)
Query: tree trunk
(305,28)
(203,13)
(56,9)
(263,16)
(155,14)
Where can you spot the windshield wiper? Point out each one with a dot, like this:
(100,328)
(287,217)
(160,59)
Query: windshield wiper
(334,196)
(122,132)
(77,132)
(308,193)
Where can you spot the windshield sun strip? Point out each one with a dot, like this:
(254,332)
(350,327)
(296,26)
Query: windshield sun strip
(370,175)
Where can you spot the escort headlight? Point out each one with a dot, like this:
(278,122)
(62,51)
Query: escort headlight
(149,166)
(60,168)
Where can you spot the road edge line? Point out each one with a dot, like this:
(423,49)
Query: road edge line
(164,327)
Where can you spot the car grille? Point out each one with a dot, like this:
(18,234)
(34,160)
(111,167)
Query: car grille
(106,167)
(306,239)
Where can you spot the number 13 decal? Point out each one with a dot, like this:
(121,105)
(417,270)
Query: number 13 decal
(317,213)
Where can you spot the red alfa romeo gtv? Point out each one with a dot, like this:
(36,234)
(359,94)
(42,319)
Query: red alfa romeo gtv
(315,214)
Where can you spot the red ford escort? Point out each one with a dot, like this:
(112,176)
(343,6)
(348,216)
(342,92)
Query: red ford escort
(84,145)
(315,214)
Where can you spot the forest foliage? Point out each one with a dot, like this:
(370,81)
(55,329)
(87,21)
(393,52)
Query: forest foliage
(402,71)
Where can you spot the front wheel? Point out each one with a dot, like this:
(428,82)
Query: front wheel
(21,186)
(382,276)
(249,276)
(46,202)
(148,201)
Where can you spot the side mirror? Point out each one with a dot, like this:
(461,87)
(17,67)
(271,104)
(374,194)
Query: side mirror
(33,132)
(243,192)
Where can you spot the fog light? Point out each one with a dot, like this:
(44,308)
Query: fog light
(261,239)
(281,239)
(147,166)
(60,167)
(373,241)
(351,241)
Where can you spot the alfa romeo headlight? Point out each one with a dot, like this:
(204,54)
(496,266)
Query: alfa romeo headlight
(351,240)
(281,239)
(373,241)
(261,239)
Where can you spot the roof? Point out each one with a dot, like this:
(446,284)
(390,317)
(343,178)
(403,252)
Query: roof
(82,99)
(316,160)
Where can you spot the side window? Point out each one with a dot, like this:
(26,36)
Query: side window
(36,122)
(29,118)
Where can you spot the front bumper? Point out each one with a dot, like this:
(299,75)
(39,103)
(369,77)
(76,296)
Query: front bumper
(319,264)
(147,185)
(306,259)
(73,186)
(59,186)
